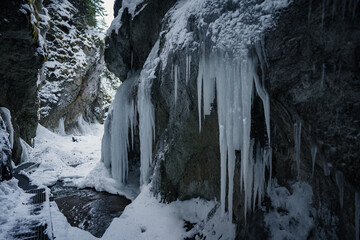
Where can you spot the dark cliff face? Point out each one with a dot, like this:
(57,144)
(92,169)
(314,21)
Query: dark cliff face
(312,75)
(21,59)
(129,49)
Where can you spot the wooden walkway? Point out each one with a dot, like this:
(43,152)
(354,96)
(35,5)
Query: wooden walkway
(34,230)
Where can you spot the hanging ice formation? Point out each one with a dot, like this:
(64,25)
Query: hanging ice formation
(176,76)
(297,141)
(146,113)
(234,80)
(122,118)
(357,215)
(188,64)
(313,158)
(115,142)
(339,178)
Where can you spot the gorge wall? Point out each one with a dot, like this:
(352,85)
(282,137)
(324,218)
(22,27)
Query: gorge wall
(306,60)
(52,69)
(23,53)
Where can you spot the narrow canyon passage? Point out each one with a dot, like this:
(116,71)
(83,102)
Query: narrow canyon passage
(179,119)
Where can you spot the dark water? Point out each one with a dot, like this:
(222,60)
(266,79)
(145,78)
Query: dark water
(88,209)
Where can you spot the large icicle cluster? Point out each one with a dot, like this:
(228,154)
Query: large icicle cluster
(115,142)
(122,117)
(234,80)
(227,71)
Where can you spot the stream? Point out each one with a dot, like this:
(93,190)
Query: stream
(88,209)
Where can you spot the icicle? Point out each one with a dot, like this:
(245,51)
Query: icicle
(199,88)
(297,141)
(354,8)
(357,215)
(333,8)
(309,14)
(188,66)
(339,178)
(313,157)
(268,163)
(266,103)
(132,60)
(24,151)
(326,168)
(61,127)
(176,75)
(322,13)
(8,124)
(234,80)
(223,150)
(146,112)
(323,76)
(116,131)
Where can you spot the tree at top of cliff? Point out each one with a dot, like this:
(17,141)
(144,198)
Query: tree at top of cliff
(89,12)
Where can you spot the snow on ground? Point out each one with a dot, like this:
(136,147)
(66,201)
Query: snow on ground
(292,216)
(63,230)
(77,163)
(147,218)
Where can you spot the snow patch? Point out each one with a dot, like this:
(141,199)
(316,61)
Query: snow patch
(291,216)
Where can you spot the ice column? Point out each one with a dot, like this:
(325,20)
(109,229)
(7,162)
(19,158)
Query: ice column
(188,70)
(115,142)
(146,112)
(122,117)
(297,141)
(313,157)
(357,215)
(8,124)
(339,178)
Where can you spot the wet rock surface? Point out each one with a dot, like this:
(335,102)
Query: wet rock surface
(88,209)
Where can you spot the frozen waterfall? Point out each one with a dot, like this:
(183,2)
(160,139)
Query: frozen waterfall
(115,142)
(122,118)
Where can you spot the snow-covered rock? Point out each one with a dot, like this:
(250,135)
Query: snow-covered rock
(236,104)
(74,77)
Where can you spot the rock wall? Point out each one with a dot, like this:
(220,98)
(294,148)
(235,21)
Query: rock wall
(71,77)
(22,55)
(313,77)
(309,62)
